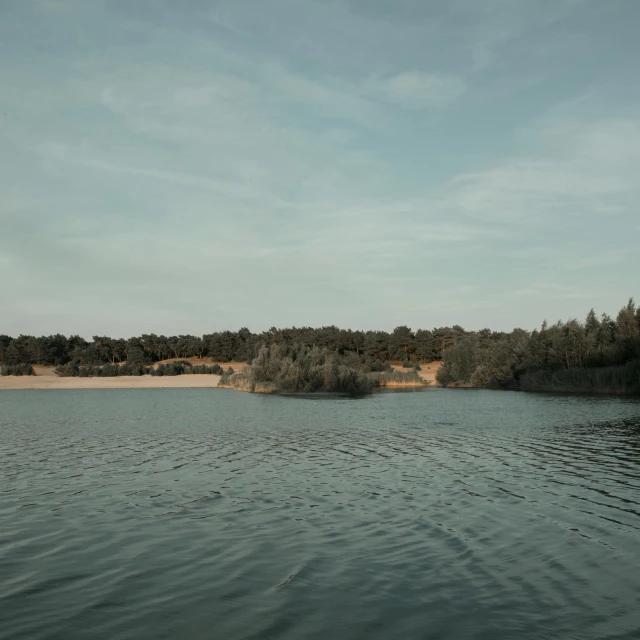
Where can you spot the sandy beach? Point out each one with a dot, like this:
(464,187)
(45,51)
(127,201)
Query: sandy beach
(196,381)
(46,379)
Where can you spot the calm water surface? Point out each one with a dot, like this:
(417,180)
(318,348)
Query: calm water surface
(214,514)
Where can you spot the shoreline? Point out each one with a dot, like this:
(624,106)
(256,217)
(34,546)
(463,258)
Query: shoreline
(33,383)
(46,379)
(189,381)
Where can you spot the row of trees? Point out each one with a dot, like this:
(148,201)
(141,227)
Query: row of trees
(227,346)
(599,354)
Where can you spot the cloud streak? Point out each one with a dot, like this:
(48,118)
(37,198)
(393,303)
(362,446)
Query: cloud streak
(311,163)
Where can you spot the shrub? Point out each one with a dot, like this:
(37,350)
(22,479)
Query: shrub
(66,370)
(214,369)
(182,367)
(108,371)
(133,369)
(73,369)
(22,369)
(296,368)
(168,369)
(397,378)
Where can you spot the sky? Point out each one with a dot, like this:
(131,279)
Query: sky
(175,167)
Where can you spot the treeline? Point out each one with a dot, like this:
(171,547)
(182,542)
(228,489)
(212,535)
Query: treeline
(227,346)
(297,368)
(178,368)
(597,355)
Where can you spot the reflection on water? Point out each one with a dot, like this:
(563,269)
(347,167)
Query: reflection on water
(214,514)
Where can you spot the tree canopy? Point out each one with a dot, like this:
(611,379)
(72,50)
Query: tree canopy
(599,354)
(602,352)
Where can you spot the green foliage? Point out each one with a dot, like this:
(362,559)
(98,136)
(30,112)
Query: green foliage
(376,365)
(228,346)
(184,367)
(597,355)
(296,368)
(460,363)
(214,369)
(73,369)
(396,378)
(68,370)
(22,369)
(483,358)
(623,379)
(170,369)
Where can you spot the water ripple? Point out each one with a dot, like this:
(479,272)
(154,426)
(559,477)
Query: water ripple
(196,513)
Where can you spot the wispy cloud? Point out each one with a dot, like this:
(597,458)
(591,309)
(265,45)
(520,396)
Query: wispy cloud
(417,90)
(300,162)
(574,169)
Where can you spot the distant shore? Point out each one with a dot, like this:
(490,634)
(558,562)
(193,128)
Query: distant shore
(45,378)
(196,381)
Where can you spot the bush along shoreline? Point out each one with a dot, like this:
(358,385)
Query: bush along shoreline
(296,368)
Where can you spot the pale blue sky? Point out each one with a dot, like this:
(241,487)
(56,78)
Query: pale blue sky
(183,167)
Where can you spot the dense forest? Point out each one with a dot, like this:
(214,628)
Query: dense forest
(599,354)
(227,346)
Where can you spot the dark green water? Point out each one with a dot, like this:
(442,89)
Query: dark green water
(213,514)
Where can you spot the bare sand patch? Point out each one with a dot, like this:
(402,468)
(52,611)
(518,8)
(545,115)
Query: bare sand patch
(195,381)
(45,378)
(236,366)
(428,370)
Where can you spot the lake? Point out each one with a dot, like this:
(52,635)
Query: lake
(179,513)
